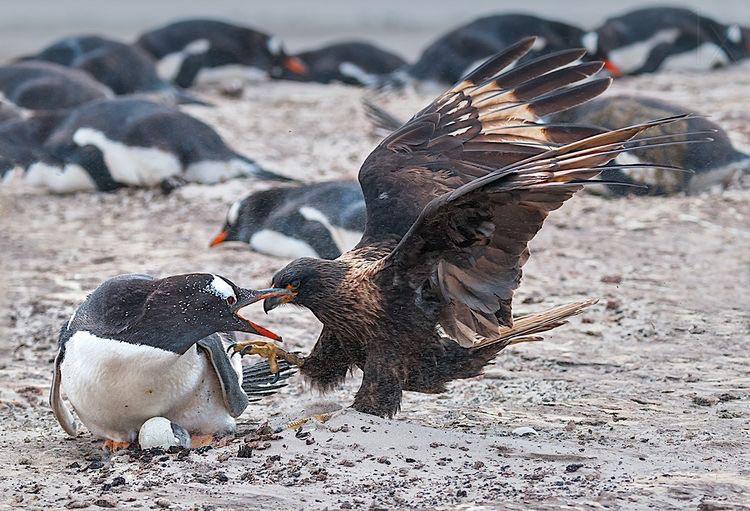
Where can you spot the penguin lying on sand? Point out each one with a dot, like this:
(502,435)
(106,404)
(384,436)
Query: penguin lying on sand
(353,63)
(140,347)
(715,163)
(48,86)
(204,51)
(134,142)
(461,50)
(668,38)
(22,152)
(125,69)
(318,220)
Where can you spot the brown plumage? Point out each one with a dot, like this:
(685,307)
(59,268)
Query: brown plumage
(453,198)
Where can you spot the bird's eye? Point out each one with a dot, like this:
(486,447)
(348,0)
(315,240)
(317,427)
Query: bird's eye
(295,283)
(231,300)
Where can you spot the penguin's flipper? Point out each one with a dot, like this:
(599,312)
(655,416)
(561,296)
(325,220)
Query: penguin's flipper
(62,414)
(234,397)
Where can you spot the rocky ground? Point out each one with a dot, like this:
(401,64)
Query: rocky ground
(642,402)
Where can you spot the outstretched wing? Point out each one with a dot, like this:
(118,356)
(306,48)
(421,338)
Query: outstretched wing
(468,246)
(468,182)
(489,120)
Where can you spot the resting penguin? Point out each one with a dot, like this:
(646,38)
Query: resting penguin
(47,86)
(204,51)
(134,142)
(125,69)
(668,38)
(140,347)
(353,63)
(715,163)
(319,220)
(459,51)
(22,151)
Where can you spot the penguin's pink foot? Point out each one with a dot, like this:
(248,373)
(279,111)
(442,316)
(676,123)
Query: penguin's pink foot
(112,445)
(200,441)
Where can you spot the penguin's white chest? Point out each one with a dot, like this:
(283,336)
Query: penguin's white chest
(115,387)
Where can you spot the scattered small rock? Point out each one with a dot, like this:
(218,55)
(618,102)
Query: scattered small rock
(77,504)
(106,501)
(524,431)
(384,460)
(163,503)
(611,279)
(705,400)
(478,464)
(94,465)
(461,493)
(244,451)
(573,467)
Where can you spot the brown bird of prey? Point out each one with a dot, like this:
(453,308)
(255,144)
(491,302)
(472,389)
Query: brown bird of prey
(453,198)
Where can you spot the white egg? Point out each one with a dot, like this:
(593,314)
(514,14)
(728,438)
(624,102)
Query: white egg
(161,432)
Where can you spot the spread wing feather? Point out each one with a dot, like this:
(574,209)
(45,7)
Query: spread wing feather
(466,183)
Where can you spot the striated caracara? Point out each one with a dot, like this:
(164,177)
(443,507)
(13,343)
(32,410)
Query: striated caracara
(453,198)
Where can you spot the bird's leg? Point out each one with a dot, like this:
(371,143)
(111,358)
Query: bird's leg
(381,389)
(267,350)
(112,445)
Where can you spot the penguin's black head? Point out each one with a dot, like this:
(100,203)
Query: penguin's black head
(248,215)
(202,304)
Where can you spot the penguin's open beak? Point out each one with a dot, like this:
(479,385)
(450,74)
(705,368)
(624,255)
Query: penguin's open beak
(247,297)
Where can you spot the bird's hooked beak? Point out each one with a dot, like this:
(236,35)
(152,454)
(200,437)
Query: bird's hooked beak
(220,238)
(247,297)
(272,302)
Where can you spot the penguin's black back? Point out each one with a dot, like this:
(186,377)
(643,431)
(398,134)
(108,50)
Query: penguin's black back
(324,64)
(48,86)
(142,123)
(446,60)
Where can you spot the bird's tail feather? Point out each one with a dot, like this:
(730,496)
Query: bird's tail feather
(525,327)
(259,381)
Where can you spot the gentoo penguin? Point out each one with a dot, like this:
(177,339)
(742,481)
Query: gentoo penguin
(668,38)
(318,220)
(134,142)
(205,51)
(125,69)
(140,347)
(48,86)
(352,62)
(715,163)
(459,51)
(22,150)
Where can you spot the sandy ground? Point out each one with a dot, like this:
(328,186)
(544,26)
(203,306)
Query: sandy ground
(640,403)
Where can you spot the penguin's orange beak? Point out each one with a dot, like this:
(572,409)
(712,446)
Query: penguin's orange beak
(612,68)
(220,238)
(295,65)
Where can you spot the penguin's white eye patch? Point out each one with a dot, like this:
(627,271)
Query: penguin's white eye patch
(233,213)
(221,288)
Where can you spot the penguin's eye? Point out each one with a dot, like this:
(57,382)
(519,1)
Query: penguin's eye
(231,300)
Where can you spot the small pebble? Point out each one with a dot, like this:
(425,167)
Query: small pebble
(524,431)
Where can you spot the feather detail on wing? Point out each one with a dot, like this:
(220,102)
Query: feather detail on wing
(469,180)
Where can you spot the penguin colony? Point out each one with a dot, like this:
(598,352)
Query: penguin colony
(89,113)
